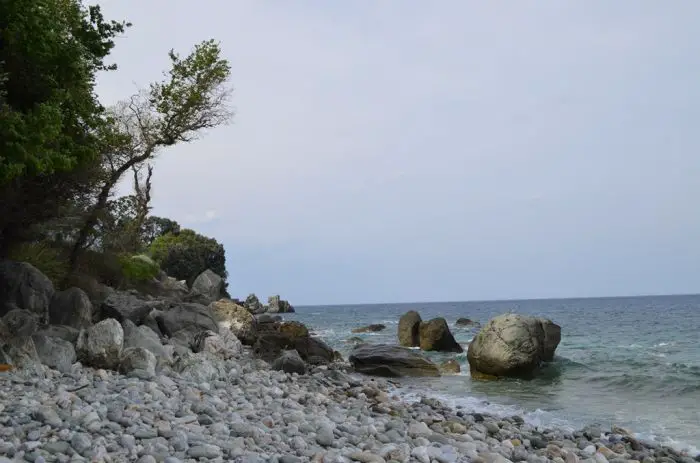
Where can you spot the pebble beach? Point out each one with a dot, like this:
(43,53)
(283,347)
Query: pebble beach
(238,409)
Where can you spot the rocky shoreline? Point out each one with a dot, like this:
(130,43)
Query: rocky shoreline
(190,376)
(240,409)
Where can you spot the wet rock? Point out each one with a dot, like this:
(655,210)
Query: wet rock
(409,329)
(392,361)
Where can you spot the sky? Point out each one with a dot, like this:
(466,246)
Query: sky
(404,151)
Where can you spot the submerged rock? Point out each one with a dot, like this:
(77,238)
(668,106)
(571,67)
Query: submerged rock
(374,328)
(513,345)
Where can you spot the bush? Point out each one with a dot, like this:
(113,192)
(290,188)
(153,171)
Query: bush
(186,254)
(48,260)
(139,268)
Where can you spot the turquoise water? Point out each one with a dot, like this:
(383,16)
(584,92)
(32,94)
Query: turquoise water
(634,362)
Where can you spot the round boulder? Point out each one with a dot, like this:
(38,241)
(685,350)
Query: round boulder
(513,345)
(409,329)
(435,335)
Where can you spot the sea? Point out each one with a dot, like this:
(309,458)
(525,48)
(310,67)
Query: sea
(629,361)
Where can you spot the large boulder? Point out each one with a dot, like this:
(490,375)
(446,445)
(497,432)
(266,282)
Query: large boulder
(512,345)
(71,307)
(126,306)
(435,335)
(23,286)
(409,329)
(16,344)
(138,361)
(290,362)
(144,337)
(236,318)
(101,345)
(209,285)
(276,304)
(55,353)
(269,345)
(391,361)
(186,316)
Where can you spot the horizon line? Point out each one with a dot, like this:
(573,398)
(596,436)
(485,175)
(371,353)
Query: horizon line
(501,300)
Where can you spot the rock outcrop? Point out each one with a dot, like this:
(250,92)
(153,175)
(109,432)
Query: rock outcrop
(391,361)
(462,321)
(209,285)
(409,329)
(435,335)
(513,345)
(275,304)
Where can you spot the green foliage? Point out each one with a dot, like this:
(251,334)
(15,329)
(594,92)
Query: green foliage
(187,254)
(47,259)
(138,269)
(155,227)
(50,51)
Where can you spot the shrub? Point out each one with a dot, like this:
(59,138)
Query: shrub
(48,260)
(186,254)
(139,268)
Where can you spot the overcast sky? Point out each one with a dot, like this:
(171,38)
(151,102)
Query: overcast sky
(429,151)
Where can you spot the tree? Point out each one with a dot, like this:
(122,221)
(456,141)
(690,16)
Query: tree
(50,53)
(155,227)
(191,99)
(186,254)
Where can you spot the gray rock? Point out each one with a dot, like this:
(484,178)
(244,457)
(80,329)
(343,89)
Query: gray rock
(71,307)
(23,286)
(145,337)
(137,358)
(275,304)
(67,333)
(204,451)
(126,306)
(290,362)
(324,435)
(209,285)
(55,353)
(186,316)
(101,345)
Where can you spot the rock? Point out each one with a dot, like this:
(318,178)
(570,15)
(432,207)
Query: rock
(224,345)
(409,329)
(370,328)
(71,307)
(450,366)
(435,335)
(253,304)
(138,359)
(209,285)
(236,318)
(186,316)
(290,362)
(23,286)
(144,337)
(55,353)
(270,345)
(552,338)
(277,305)
(392,361)
(267,318)
(67,333)
(464,322)
(100,346)
(294,329)
(16,344)
(126,306)
(512,345)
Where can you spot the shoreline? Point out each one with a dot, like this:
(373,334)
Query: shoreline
(238,409)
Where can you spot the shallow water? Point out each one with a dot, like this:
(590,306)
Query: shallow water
(634,362)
